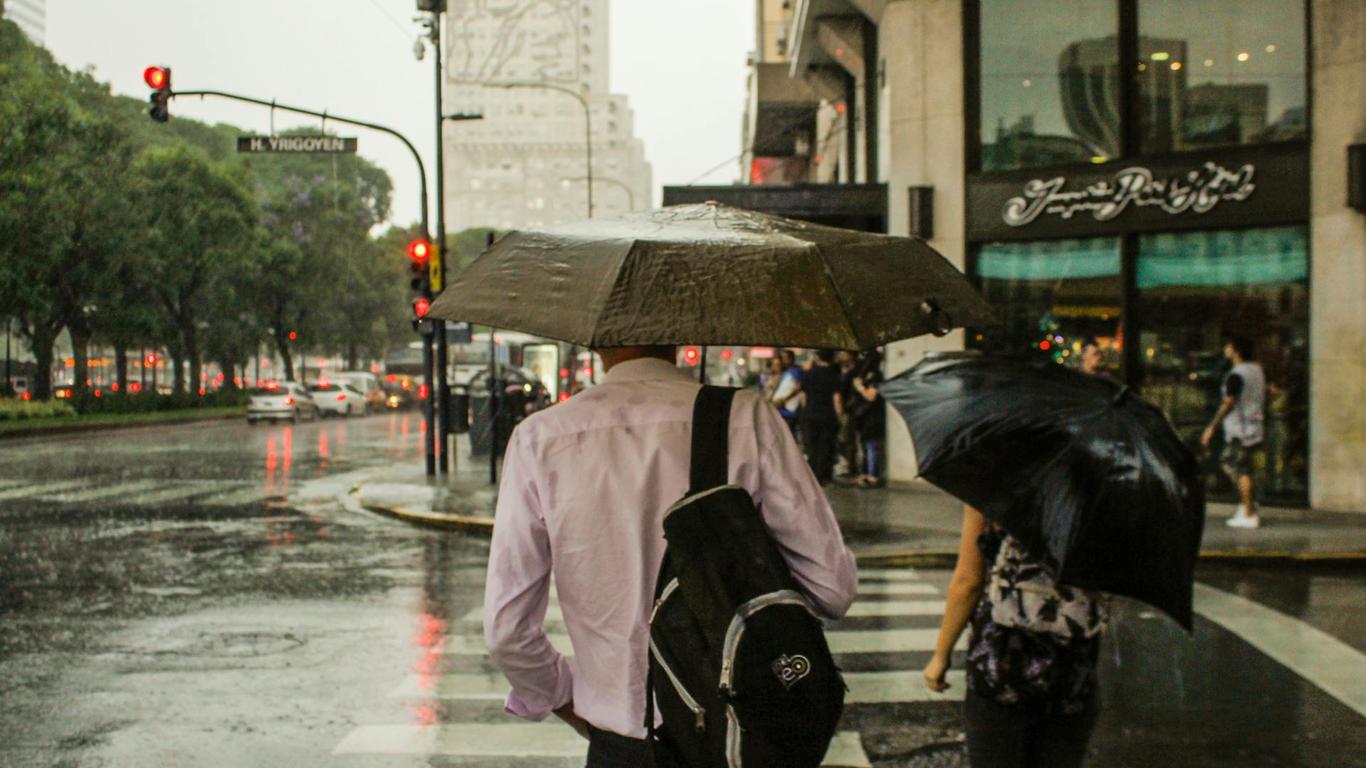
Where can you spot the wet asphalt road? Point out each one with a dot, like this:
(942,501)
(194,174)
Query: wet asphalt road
(196,595)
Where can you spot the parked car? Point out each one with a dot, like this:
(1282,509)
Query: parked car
(399,398)
(334,399)
(368,385)
(288,400)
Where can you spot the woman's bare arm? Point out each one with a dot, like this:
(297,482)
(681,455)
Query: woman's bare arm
(965,588)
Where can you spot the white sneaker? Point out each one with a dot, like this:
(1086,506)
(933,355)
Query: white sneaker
(1241,511)
(1244,521)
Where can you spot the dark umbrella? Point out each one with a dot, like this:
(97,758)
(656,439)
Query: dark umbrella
(1076,467)
(711,274)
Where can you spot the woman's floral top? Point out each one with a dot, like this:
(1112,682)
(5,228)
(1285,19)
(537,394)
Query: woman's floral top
(1011,666)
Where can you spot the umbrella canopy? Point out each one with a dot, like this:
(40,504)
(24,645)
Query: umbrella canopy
(1078,468)
(711,274)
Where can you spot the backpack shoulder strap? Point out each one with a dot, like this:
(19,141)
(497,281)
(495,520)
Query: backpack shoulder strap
(710,457)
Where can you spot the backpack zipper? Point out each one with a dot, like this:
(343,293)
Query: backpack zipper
(668,590)
(733,756)
(698,713)
(737,628)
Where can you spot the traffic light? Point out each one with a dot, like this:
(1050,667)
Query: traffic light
(419,261)
(159,80)
(691,355)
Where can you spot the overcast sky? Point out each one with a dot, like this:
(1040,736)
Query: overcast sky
(681,63)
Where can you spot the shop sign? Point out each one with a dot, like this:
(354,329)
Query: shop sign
(1197,191)
(1237,187)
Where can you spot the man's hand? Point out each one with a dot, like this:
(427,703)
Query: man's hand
(567,714)
(934,674)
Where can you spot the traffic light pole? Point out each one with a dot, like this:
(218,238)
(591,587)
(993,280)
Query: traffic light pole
(443,390)
(429,439)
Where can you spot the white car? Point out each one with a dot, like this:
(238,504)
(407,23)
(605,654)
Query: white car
(335,399)
(287,400)
(367,384)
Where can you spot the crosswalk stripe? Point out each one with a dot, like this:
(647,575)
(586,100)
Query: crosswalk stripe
(11,483)
(841,641)
(101,491)
(533,740)
(896,588)
(880,687)
(181,490)
(888,574)
(247,495)
(861,608)
(39,489)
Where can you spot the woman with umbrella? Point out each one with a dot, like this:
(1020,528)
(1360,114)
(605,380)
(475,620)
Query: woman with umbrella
(1031,663)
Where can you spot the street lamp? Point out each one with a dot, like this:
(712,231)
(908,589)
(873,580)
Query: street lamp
(630,193)
(587,123)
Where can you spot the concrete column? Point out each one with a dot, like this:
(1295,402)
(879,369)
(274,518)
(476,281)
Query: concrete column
(1337,353)
(921,43)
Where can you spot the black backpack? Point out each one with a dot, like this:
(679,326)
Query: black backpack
(738,660)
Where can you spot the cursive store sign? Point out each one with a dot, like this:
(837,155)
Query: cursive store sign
(1233,187)
(1197,191)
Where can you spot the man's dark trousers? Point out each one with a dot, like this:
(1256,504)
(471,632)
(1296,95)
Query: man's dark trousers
(819,436)
(610,750)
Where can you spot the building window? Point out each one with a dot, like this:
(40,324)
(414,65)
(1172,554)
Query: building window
(1049,74)
(1051,296)
(1199,289)
(1237,76)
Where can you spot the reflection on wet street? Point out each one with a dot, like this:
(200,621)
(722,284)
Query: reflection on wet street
(205,595)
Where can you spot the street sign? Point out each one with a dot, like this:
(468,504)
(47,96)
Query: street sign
(434,269)
(334,145)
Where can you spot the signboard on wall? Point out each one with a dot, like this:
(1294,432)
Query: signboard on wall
(1235,187)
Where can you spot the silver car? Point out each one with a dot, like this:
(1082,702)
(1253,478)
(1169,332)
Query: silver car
(287,400)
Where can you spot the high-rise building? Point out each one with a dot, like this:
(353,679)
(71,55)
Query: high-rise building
(30,15)
(531,68)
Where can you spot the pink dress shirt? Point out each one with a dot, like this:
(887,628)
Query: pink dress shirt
(585,487)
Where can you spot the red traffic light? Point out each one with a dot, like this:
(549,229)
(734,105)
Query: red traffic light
(155,77)
(151,359)
(420,250)
(421,306)
(691,355)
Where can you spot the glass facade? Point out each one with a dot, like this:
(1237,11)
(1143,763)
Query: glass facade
(1235,77)
(1049,74)
(1209,73)
(1198,289)
(1050,297)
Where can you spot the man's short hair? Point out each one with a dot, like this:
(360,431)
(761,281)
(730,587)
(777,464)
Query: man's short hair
(1242,345)
(1090,341)
(825,355)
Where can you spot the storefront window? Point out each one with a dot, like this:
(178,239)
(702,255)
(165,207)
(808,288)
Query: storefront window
(1049,73)
(1213,73)
(1051,297)
(1196,290)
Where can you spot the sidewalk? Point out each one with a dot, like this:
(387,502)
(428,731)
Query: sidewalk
(911,524)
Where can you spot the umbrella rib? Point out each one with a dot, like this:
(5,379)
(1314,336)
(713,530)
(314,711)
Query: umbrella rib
(608,287)
(839,296)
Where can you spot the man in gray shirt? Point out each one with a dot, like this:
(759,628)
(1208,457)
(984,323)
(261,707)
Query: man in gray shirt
(1242,413)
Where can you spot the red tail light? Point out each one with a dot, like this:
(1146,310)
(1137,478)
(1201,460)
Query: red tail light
(341,398)
(289,401)
(422,392)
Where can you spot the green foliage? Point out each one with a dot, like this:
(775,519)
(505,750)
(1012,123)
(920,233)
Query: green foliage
(89,405)
(25,410)
(131,233)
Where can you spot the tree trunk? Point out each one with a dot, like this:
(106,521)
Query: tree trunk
(80,355)
(192,352)
(352,356)
(282,348)
(177,372)
(41,341)
(121,367)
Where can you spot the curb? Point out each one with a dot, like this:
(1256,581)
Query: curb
(947,558)
(68,429)
(428,519)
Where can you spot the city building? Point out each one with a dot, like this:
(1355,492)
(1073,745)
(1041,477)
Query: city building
(532,68)
(1157,176)
(30,15)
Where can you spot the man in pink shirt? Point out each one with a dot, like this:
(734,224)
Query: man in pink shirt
(585,487)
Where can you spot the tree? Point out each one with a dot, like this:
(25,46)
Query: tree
(196,222)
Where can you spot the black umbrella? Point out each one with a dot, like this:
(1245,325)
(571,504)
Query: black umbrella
(712,274)
(1077,467)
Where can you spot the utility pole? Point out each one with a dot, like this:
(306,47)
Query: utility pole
(443,390)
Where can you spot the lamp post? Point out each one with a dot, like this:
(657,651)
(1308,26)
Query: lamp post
(630,193)
(587,124)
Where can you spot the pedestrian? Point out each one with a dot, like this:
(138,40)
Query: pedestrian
(848,410)
(1031,696)
(585,489)
(772,376)
(872,424)
(820,414)
(1242,414)
(1092,358)
(787,397)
